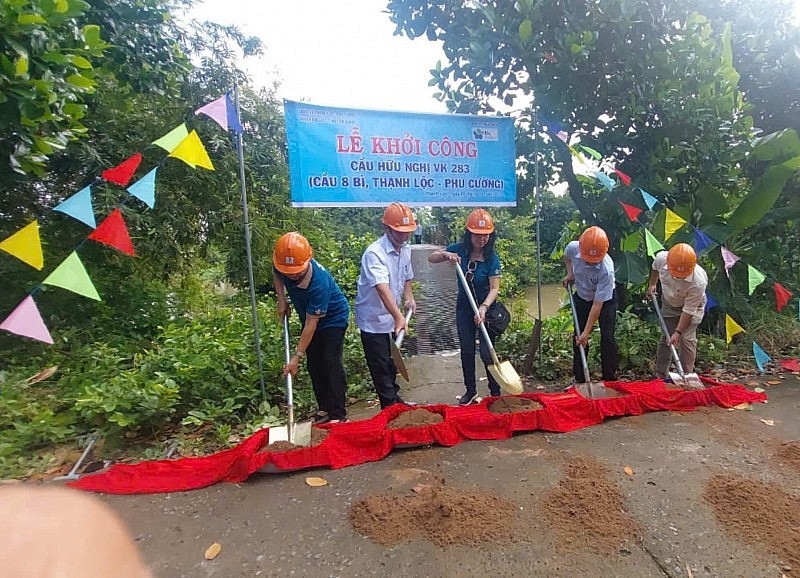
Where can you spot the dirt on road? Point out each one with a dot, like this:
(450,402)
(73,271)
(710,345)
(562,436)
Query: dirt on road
(712,492)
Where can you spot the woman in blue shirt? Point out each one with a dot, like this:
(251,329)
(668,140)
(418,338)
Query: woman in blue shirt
(324,314)
(476,256)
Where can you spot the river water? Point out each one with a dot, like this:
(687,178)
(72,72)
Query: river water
(553,297)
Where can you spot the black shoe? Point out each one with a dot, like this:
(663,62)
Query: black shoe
(342,420)
(320,417)
(404,402)
(467,398)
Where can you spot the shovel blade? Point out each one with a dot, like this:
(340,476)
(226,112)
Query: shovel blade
(279,434)
(301,435)
(693,381)
(594,390)
(506,376)
(397,357)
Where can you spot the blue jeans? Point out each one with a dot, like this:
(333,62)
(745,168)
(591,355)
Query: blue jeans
(466,336)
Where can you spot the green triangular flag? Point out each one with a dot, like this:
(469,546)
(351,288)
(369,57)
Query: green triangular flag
(72,276)
(653,246)
(754,279)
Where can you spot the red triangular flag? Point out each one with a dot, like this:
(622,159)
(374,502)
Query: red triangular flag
(626,180)
(790,364)
(782,295)
(631,211)
(113,232)
(122,173)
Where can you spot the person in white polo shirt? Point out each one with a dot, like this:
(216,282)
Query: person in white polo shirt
(683,302)
(383,284)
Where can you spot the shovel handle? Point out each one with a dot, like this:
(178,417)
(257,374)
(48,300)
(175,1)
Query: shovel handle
(289,392)
(399,341)
(675,358)
(485,333)
(578,330)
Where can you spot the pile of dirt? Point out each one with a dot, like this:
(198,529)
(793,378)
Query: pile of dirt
(514,405)
(789,454)
(415,418)
(586,510)
(760,515)
(441,514)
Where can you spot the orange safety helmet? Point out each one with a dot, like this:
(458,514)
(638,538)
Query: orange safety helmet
(480,222)
(292,253)
(681,260)
(593,245)
(399,217)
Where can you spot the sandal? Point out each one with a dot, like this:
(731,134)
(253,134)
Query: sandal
(320,417)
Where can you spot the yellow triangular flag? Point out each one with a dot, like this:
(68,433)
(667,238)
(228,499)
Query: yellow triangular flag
(672,222)
(192,152)
(173,138)
(25,245)
(731,328)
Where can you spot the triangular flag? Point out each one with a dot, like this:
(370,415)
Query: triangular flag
(649,199)
(592,153)
(192,152)
(606,181)
(632,212)
(562,135)
(145,188)
(25,245)
(113,232)
(652,244)
(233,117)
(123,172)
(216,110)
(729,259)
(710,303)
(731,328)
(71,275)
(626,180)
(761,356)
(754,279)
(701,241)
(173,138)
(79,206)
(672,222)
(25,320)
(790,364)
(782,295)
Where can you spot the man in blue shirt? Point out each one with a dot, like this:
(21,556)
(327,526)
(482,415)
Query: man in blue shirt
(385,281)
(324,314)
(591,269)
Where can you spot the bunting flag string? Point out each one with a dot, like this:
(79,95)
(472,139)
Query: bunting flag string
(731,328)
(649,199)
(782,295)
(729,259)
(761,356)
(632,212)
(754,279)
(672,223)
(71,274)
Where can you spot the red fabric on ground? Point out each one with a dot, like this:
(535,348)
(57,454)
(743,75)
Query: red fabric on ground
(369,440)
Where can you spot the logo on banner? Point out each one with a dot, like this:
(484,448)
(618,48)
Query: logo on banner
(483,133)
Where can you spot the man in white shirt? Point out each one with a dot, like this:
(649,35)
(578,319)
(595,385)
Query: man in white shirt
(385,281)
(683,301)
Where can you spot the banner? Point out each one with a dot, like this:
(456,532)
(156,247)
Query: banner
(343,157)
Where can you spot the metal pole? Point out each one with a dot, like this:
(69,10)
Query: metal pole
(248,251)
(538,219)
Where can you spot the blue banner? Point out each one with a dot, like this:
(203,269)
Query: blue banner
(344,157)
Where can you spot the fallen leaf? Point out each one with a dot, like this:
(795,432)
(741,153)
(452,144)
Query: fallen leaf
(768,421)
(743,405)
(419,488)
(316,482)
(752,383)
(213,551)
(42,375)
(774,382)
(759,390)
(628,470)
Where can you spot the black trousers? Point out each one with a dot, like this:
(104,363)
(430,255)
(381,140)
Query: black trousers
(609,356)
(324,364)
(378,353)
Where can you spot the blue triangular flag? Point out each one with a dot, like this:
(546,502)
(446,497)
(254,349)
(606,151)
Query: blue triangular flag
(710,303)
(761,356)
(607,181)
(701,241)
(79,206)
(649,199)
(145,188)
(233,118)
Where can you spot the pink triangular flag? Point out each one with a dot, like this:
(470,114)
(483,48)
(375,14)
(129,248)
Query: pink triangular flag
(122,173)
(730,259)
(782,295)
(216,110)
(26,320)
(113,232)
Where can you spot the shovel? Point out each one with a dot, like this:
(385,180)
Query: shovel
(688,380)
(589,390)
(397,356)
(504,373)
(298,434)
